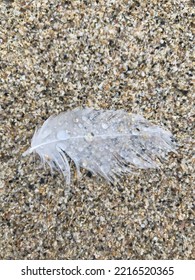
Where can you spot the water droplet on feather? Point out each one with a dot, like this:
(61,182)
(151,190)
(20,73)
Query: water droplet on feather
(84,118)
(45,133)
(104,126)
(89,137)
(61,135)
(80,149)
(80,125)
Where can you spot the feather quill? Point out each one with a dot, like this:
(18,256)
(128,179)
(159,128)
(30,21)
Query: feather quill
(108,143)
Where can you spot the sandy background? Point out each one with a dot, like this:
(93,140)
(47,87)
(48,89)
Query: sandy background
(57,55)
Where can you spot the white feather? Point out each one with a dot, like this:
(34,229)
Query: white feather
(108,143)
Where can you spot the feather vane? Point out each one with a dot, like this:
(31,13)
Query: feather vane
(108,143)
